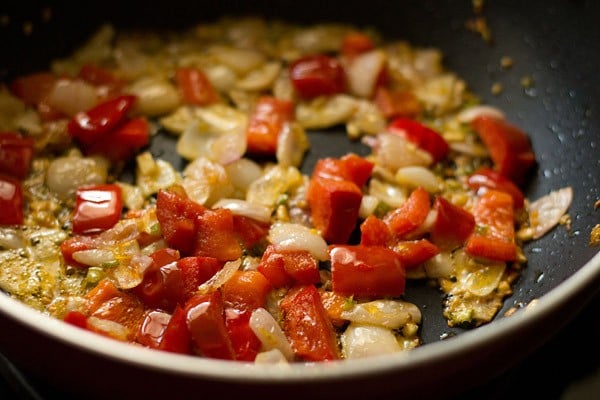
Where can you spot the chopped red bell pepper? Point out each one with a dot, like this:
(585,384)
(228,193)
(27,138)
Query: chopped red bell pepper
(105,301)
(250,231)
(307,325)
(424,137)
(162,283)
(490,179)
(452,225)
(33,88)
(350,167)
(90,126)
(73,245)
(244,341)
(195,87)
(216,237)
(11,201)
(509,147)
(412,253)
(195,271)
(267,120)
(375,232)
(97,208)
(206,324)
(246,290)
(355,43)
(334,206)
(494,235)
(410,215)
(176,336)
(76,318)
(317,75)
(284,267)
(177,216)
(397,103)
(16,153)
(153,328)
(122,142)
(366,271)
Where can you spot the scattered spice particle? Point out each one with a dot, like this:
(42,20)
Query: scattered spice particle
(27,28)
(506,62)
(527,81)
(480,26)
(497,88)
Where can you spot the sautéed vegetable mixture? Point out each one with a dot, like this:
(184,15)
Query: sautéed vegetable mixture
(239,255)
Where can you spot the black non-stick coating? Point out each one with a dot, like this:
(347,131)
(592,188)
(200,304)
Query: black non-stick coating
(554,43)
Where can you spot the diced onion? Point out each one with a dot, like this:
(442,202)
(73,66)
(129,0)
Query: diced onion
(363,72)
(269,333)
(72,96)
(245,208)
(418,176)
(66,174)
(395,152)
(390,314)
(222,276)
(360,341)
(293,236)
(94,257)
(471,113)
(273,356)
(546,212)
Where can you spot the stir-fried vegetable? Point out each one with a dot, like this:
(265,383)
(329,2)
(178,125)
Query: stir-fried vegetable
(240,255)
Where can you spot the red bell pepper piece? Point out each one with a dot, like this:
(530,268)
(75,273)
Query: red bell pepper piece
(206,323)
(424,137)
(11,201)
(268,118)
(90,126)
(153,328)
(195,271)
(246,290)
(317,75)
(410,215)
(194,86)
(494,235)
(334,206)
(397,103)
(375,232)
(452,226)
(176,336)
(105,301)
(412,253)
(283,267)
(33,88)
(349,167)
(366,271)
(162,284)
(216,237)
(177,217)
(355,43)
(76,318)
(509,147)
(103,77)
(123,142)
(75,244)
(489,179)
(244,341)
(97,208)
(16,153)
(250,231)
(307,326)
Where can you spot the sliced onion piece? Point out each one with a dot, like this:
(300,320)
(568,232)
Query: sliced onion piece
(395,152)
(391,314)
(222,276)
(242,173)
(291,236)
(545,213)
(418,176)
(245,208)
(292,143)
(95,257)
(268,331)
(363,72)
(484,280)
(72,96)
(111,328)
(469,114)
(273,356)
(326,112)
(360,341)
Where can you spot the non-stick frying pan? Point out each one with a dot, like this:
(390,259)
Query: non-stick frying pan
(552,43)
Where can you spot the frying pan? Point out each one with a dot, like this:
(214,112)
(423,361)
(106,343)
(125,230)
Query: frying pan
(552,42)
